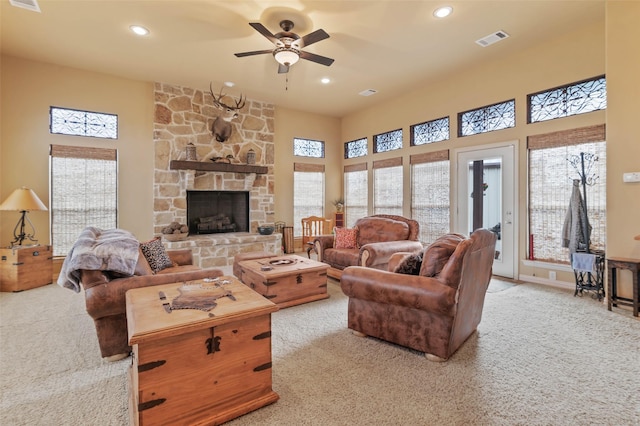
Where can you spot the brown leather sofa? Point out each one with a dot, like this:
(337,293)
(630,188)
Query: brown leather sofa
(105,296)
(379,236)
(432,312)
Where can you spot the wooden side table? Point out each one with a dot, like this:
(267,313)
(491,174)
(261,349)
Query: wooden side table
(25,267)
(633,265)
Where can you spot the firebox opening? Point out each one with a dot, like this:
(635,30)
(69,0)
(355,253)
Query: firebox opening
(211,212)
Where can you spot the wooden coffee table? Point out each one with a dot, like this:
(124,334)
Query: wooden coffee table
(198,366)
(286,280)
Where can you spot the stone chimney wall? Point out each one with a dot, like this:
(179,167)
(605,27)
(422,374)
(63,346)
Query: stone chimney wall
(183,115)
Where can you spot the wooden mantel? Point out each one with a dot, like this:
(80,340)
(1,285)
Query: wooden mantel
(217,167)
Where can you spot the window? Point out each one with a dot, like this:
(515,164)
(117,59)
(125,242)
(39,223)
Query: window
(357,148)
(430,203)
(83,123)
(487,119)
(308,193)
(356,192)
(430,131)
(575,98)
(83,193)
(550,187)
(387,186)
(387,141)
(308,148)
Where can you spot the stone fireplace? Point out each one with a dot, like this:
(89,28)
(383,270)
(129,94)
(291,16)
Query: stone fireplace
(184,116)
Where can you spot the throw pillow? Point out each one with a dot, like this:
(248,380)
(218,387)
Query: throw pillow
(156,255)
(437,254)
(345,238)
(410,265)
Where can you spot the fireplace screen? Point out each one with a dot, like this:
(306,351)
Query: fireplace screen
(210,212)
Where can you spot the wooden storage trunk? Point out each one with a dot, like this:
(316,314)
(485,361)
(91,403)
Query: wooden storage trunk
(23,268)
(303,281)
(197,367)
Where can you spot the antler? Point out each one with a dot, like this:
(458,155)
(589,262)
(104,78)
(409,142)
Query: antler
(218,101)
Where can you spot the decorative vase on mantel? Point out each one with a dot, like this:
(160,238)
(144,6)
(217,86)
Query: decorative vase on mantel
(190,151)
(251,156)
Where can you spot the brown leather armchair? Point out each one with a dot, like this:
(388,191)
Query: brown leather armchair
(432,312)
(105,296)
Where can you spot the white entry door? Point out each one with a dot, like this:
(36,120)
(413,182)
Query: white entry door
(485,196)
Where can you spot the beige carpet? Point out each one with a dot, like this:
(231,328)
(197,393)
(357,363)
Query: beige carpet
(541,357)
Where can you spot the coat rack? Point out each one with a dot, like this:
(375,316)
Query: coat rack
(583,164)
(588,280)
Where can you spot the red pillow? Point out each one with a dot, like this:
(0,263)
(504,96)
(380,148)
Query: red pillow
(345,238)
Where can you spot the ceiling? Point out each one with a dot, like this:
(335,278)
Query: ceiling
(389,46)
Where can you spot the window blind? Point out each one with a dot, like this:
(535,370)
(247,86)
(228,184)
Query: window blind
(550,186)
(308,193)
(387,186)
(83,193)
(430,203)
(356,192)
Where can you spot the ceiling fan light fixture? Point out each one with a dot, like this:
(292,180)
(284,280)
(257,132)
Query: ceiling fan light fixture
(286,55)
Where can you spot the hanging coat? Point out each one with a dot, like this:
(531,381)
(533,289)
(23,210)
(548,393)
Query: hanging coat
(576,231)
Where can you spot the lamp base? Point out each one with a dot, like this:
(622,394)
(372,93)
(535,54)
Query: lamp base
(22,235)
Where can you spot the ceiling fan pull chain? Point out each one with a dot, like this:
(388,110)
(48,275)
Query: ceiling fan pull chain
(286,86)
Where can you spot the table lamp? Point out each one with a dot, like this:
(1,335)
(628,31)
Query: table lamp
(22,200)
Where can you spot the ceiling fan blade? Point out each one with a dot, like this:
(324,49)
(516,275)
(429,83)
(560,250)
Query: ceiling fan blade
(283,69)
(316,58)
(264,31)
(254,52)
(314,37)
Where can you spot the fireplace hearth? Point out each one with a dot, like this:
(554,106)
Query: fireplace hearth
(212,212)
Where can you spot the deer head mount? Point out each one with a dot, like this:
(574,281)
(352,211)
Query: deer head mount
(222,127)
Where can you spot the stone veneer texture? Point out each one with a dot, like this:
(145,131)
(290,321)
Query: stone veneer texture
(184,115)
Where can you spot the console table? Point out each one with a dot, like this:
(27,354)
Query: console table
(633,265)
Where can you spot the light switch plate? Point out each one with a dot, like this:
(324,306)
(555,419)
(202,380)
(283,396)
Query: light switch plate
(631,177)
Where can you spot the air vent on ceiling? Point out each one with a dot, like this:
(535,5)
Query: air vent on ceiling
(26,4)
(492,38)
(368,92)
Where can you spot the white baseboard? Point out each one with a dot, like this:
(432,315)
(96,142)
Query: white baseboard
(545,281)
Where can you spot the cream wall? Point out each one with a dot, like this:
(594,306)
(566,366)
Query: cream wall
(28,90)
(576,56)
(623,131)
(295,124)
(623,134)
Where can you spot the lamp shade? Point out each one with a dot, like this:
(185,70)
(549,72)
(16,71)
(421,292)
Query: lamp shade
(286,56)
(22,199)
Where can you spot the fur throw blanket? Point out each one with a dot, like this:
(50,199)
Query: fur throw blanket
(113,250)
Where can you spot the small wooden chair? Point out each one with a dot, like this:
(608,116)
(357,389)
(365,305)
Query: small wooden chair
(311,227)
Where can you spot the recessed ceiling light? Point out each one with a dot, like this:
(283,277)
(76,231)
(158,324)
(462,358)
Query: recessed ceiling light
(229,83)
(443,12)
(325,80)
(142,31)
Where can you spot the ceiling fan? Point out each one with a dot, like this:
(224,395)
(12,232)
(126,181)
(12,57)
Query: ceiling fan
(288,46)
